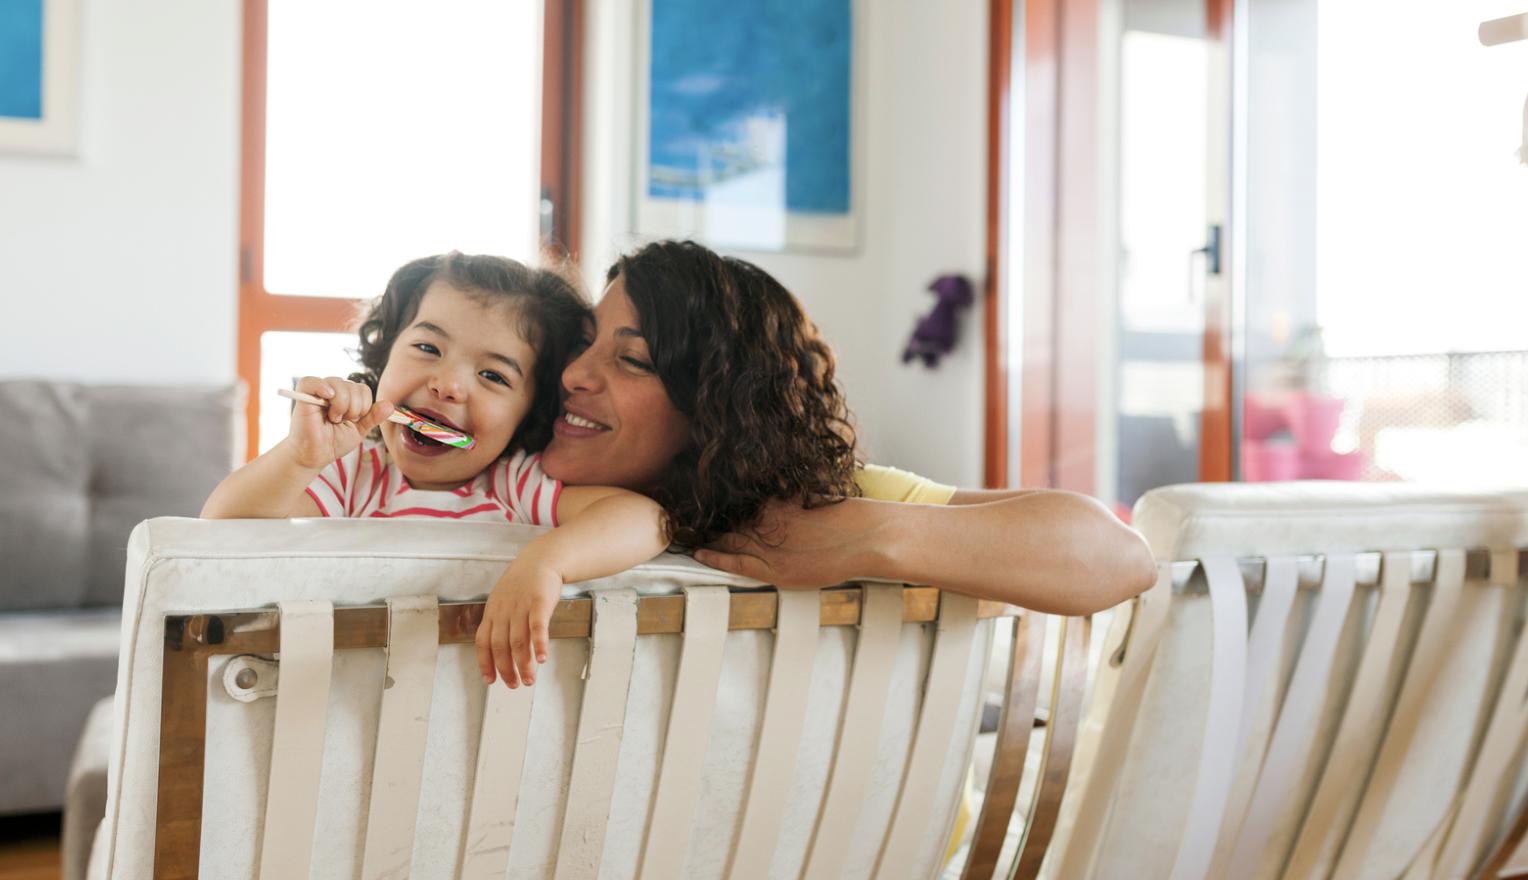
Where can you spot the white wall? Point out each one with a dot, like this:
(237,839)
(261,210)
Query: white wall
(923,215)
(120,264)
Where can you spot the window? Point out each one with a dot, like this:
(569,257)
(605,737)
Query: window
(378,132)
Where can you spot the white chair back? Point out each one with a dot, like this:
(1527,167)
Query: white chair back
(301,698)
(1328,681)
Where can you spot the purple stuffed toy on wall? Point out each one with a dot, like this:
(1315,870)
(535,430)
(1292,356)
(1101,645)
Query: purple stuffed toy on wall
(934,336)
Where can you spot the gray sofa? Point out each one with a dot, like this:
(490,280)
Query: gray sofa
(80,466)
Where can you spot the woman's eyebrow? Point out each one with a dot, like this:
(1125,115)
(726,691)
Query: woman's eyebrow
(629,332)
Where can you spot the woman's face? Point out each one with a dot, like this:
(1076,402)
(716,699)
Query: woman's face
(618,427)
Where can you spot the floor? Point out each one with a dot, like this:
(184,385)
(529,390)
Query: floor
(29,848)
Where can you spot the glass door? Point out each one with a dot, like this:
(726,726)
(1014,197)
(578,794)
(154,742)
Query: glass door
(1385,300)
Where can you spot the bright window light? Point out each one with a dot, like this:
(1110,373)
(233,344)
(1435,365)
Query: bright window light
(396,130)
(1422,201)
(287,357)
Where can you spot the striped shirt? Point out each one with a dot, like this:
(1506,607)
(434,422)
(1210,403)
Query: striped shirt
(367,483)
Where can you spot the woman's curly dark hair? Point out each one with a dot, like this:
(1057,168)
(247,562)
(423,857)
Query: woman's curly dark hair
(550,311)
(742,363)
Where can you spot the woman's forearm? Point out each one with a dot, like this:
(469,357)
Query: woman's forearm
(1056,552)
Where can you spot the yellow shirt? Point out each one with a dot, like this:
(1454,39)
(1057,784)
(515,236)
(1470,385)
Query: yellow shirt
(889,484)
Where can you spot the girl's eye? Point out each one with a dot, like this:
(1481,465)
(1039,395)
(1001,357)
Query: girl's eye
(491,376)
(427,348)
(637,363)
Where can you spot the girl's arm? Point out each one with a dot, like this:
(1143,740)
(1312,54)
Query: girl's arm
(1056,552)
(603,532)
(272,486)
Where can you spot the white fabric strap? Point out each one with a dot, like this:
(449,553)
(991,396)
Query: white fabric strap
(1114,736)
(1480,808)
(601,722)
(297,749)
(1281,576)
(1228,676)
(936,727)
(1352,752)
(879,629)
(496,784)
(689,729)
(413,643)
(1265,648)
(790,678)
(1427,658)
(1289,746)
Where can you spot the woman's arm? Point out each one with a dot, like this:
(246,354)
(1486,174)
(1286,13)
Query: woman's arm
(1053,551)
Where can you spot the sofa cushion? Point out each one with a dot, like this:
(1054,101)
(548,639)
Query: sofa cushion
(44,495)
(156,451)
(80,466)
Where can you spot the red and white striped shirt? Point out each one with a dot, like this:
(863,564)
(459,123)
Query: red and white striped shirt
(367,483)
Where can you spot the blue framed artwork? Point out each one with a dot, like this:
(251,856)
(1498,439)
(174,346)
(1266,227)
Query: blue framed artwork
(746,123)
(38,40)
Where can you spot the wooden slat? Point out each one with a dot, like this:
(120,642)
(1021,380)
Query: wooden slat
(365,626)
(1060,738)
(1013,729)
(182,752)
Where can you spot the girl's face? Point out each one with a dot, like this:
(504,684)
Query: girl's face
(618,427)
(462,363)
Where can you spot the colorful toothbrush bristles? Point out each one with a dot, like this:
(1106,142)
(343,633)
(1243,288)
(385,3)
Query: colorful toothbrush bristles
(438,433)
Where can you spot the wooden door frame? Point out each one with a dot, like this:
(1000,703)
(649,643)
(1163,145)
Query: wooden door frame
(1058,294)
(1056,272)
(261,311)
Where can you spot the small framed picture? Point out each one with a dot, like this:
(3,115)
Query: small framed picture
(39,63)
(748,124)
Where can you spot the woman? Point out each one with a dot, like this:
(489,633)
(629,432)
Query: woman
(703,385)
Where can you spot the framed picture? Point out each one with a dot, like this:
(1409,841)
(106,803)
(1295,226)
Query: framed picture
(747,124)
(39,47)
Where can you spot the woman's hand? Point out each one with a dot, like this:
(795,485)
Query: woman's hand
(319,435)
(794,548)
(512,638)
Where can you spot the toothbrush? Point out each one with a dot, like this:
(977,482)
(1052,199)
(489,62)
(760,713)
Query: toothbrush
(403,416)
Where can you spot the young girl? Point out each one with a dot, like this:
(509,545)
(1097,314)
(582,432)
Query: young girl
(477,344)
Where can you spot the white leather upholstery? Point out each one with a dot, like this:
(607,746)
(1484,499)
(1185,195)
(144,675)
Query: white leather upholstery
(189,566)
(1356,748)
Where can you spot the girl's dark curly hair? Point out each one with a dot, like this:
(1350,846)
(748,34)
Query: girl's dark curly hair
(741,361)
(550,316)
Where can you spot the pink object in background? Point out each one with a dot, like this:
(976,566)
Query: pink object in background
(1265,415)
(1270,462)
(1314,421)
(1308,423)
(1332,466)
